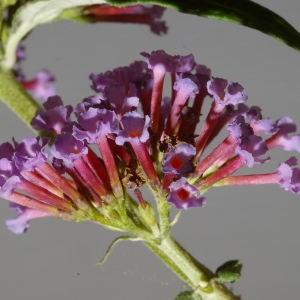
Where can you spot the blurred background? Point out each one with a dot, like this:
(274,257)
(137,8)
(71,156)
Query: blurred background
(258,225)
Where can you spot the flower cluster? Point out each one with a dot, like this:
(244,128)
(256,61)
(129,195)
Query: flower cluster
(141,138)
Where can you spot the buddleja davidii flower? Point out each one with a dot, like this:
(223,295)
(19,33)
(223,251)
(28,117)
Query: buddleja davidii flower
(120,103)
(54,117)
(252,115)
(249,152)
(135,131)
(240,148)
(184,195)
(41,86)
(97,125)
(281,137)
(178,160)
(85,168)
(131,76)
(288,177)
(160,63)
(30,158)
(258,123)
(20,224)
(185,89)
(191,114)
(131,14)
(118,87)
(238,130)
(25,181)
(234,95)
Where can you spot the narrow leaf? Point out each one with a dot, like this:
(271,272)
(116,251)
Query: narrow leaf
(243,12)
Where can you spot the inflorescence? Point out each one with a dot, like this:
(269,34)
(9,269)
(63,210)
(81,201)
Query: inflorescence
(141,138)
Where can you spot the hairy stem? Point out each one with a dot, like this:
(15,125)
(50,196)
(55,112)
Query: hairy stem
(193,273)
(16,98)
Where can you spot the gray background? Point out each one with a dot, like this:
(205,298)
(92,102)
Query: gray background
(258,225)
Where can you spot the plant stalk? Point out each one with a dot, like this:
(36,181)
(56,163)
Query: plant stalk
(196,275)
(16,98)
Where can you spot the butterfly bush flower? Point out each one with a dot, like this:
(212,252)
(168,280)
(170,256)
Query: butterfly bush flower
(184,195)
(138,14)
(127,135)
(178,159)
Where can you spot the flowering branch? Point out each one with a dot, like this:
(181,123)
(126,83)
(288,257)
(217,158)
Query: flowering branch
(141,137)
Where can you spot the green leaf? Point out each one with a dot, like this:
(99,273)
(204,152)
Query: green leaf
(243,12)
(31,14)
(229,271)
(188,295)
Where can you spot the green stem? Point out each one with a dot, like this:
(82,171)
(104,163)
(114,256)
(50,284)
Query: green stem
(16,98)
(163,209)
(196,275)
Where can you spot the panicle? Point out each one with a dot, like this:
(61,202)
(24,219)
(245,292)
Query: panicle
(127,135)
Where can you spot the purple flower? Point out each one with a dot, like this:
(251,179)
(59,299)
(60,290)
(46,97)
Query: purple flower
(251,148)
(120,103)
(235,92)
(20,224)
(41,86)
(9,174)
(186,86)
(185,89)
(135,128)
(67,148)
(8,185)
(161,61)
(96,101)
(288,177)
(6,151)
(55,116)
(132,75)
(184,196)
(29,153)
(178,159)
(96,123)
(139,14)
(283,127)
(257,122)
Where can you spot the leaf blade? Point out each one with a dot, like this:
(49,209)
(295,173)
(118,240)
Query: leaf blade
(243,12)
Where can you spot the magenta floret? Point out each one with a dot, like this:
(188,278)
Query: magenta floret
(184,196)
(235,92)
(54,117)
(178,160)
(135,128)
